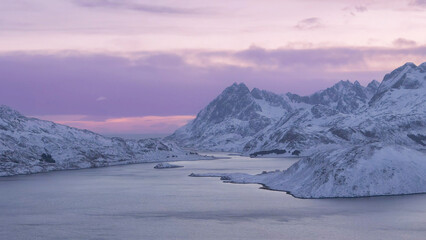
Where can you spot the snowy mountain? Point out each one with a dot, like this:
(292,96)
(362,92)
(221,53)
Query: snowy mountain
(29,145)
(344,96)
(359,171)
(371,88)
(232,119)
(394,114)
(238,120)
(355,143)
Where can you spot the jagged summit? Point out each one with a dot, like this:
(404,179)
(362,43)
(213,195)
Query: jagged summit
(344,96)
(238,113)
(396,74)
(270,120)
(408,76)
(410,65)
(234,116)
(239,88)
(374,84)
(371,88)
(233,102)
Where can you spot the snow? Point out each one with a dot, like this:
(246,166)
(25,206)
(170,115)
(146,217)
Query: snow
(24,140)
(273,112)
(232,119)
(391,170)
(262,118)
(356,141)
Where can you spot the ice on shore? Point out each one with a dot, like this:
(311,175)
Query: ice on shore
(361,171)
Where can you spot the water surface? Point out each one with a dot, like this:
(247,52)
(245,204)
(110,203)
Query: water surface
(139,202)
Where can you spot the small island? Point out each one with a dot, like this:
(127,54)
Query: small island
(166,165)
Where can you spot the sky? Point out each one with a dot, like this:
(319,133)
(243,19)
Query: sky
(136,66)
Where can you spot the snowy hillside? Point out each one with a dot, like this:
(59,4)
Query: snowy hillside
(232,119)
(29,145)
(240,120)
(355,143)
(344,96)
(366,170)
(395,114)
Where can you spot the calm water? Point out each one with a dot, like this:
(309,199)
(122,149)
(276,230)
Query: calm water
(139,202)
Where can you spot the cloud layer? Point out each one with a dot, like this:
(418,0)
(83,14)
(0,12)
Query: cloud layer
(103,86)
(127,59)
(143,25)
(123,125)
(134,6)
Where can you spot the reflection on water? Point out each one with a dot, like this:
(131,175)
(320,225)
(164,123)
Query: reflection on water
(139,202)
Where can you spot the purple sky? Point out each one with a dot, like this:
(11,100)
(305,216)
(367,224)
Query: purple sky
(137,67)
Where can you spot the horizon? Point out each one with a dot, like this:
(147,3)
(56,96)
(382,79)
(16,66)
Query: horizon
(134,67)
(104,127)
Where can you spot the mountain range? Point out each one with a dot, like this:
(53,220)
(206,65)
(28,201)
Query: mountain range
(239,118)
(353,140)
(356,141)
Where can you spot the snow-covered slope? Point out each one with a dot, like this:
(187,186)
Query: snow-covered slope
(378,148)
(358,171)
(394,114)
(232,119)
(240,120)
(29,145)
(344,96)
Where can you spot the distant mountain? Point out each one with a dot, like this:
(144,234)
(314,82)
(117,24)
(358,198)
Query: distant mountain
(29,145)
(357,141)
(378,150)
(238,119)
(232,119)
(371,88)
(344,96)
(394,113)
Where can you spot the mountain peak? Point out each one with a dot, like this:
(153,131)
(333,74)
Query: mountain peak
(371,88)
(373,83)
(399,72)
(7,112)
(236,85)
(408,76)
(236,88)
(342,84)
(344,96)
(409,64)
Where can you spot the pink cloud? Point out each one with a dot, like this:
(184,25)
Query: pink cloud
(309,23)
(123,125)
